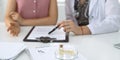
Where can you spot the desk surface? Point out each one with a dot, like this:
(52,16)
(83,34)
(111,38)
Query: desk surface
(93,47)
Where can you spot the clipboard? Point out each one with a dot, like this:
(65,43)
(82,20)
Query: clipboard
(26,39)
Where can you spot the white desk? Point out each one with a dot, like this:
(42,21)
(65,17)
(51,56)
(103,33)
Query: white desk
(93,47)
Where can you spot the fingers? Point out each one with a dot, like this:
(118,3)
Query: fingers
(11,13)
(67,29)
(14,15)
(10,27)
(14,32)
(63,23)
(13,29)
(68,25)
(12,24)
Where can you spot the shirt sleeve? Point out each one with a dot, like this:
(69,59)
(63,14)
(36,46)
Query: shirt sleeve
(68,10)
(111,23)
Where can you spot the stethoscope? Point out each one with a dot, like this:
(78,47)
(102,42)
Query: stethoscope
(81,12)
(77,8)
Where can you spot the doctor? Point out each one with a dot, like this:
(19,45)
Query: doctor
(91,16)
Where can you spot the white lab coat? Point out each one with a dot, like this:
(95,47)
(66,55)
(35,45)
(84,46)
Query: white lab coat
(104,16)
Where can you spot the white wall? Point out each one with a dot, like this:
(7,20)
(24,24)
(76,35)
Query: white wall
(61,10)
(2,9)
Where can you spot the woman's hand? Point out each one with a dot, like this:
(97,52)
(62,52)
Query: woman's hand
(16,16)
(14,29)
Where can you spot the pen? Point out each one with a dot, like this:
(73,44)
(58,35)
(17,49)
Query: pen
(53,29)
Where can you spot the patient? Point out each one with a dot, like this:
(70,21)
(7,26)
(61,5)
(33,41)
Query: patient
(30,13)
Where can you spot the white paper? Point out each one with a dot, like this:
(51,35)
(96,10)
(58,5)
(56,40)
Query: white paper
(9,51)
(48,54)
(40,31)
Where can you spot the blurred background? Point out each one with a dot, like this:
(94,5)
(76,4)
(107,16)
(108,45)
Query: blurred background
(61,11)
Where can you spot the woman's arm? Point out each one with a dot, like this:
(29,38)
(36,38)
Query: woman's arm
(12,27)
(51,19)
(10,8)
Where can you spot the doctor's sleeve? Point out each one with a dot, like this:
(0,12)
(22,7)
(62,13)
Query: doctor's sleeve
(68,10)
(111,23)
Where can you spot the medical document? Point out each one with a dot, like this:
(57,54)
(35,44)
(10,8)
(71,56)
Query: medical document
(47,53)
(42,31)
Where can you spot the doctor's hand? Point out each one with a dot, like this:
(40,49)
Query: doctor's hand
(16,16)
(70,26)
(14,29)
